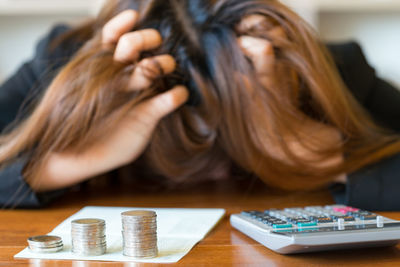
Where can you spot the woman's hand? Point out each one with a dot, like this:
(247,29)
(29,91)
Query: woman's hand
(261,53)
(131,136)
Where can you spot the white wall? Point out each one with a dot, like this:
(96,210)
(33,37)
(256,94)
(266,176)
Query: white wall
(374,24)
(19,35)
(24,22)
(377,32)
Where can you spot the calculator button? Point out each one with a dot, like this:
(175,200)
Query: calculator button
(340,224)
(300,220)
(283,225)
(323,220)
(368,217)
(344,209)
(351,209)
(273,221)
(347,218)
(309,223)
(379,221)
(340,210)
(335,215)
(276,222)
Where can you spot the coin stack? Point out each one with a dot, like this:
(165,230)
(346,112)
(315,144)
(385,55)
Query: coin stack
(45,244)
(88,237)
(139,233)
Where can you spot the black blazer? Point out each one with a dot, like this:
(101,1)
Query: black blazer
(374,188)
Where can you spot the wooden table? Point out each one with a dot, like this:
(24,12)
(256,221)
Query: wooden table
(224,246)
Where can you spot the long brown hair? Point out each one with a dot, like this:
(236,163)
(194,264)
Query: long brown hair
(230,115)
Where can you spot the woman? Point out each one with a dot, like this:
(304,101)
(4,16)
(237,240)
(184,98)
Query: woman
(261,93)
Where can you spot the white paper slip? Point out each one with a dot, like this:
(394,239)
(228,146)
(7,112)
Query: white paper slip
(178,231)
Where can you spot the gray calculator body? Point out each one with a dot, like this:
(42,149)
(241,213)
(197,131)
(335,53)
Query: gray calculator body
(297,230)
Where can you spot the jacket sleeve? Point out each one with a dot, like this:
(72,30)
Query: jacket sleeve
(374,187)
(19,90)
(378,97)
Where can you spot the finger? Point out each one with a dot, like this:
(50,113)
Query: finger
(277,33)
(260,51)
(131,44)
(255,21)
(149,69)
(163,104)
(119,25)
(262,23)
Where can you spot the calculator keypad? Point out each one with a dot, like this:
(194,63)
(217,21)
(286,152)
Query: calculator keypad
(311,216)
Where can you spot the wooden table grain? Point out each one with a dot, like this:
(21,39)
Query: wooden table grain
(223,246)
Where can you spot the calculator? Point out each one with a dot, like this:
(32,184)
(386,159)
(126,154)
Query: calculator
(317,228)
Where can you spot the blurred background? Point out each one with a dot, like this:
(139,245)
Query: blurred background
(375,24)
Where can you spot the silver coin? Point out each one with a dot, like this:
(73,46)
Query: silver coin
(135,241)
(140,242)
(45,245)
(134,232)
(82,245)
(144,225)
(139,213)
(46,250)
(139,228)
(93,252)
(87,230)
(139,234)
(142,251)
(141,245)
(88,223)
(88,247)
(135,252)
(42,247)
(140,255)
(88,237)
(140,223)
(83,248)
(44,240)
(138,219)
